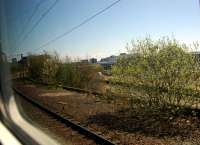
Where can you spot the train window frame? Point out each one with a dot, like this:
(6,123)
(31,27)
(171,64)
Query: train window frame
(10,114)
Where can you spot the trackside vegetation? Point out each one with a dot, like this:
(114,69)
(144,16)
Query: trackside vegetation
(157,75)
(154,75)
(49,69)
(151,95)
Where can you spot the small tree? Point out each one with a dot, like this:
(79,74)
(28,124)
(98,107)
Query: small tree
(50,69)
(44,68)
(36,64)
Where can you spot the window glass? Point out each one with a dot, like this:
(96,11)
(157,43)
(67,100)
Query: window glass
(126,70)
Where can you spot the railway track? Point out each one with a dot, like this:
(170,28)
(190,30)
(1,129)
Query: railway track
(71,125)
(195,107)
(60,132)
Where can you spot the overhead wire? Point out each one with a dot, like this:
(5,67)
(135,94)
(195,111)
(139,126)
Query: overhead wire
(78,26)
(31,16)
(38,21)
(27,22)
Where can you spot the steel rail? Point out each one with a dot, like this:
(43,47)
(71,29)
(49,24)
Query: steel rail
(82,130)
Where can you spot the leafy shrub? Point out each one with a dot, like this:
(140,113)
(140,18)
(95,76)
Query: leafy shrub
(43,67)
(78,74)
(49,69)
(156,75)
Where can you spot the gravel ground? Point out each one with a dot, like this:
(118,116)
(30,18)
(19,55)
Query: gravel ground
(102,118)
(57,130)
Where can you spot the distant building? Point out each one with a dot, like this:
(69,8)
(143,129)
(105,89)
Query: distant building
(123,54)
(14,60)
(23,61)
(108,61)
(93,60)
(196,54)
(84,60)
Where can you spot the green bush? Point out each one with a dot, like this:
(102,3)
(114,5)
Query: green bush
(157,74)
(76,74)
(43,67)
(49,69)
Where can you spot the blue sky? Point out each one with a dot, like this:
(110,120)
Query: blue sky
(108,33)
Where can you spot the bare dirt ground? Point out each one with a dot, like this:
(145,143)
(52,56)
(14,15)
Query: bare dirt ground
(116,125)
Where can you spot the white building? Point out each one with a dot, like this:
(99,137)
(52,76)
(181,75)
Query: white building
(109,61)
